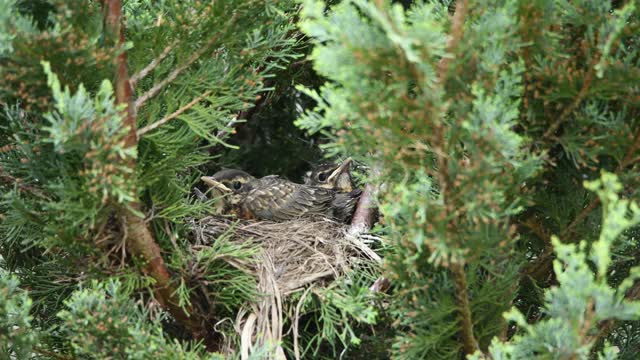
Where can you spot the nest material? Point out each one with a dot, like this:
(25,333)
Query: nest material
(294,255)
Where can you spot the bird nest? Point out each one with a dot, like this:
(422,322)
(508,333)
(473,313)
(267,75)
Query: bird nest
(292,256)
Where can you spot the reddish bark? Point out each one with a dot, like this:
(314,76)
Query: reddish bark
(140,240)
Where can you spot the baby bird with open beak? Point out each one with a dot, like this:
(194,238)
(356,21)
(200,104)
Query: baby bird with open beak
(337,178)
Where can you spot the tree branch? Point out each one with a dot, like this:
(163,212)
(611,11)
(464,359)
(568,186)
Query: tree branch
(542,266)
(365,212)
(173,115)
(152,65)
(177,71)
(140,241)
(50,354)
(457,28)
(12,180)
(576,102)
(469,342)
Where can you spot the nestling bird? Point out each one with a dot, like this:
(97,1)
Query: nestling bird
(337,178)
(270,197)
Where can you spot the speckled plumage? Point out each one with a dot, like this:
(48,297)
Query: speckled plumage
(273,198)
(336,177)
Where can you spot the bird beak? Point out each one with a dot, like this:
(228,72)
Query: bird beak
(215,184)
(339,170)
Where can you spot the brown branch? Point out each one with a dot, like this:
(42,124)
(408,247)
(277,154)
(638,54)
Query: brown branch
(469,342)
(173,115)
(576,102)
(541,267)
(532,224)
(152,65)
(365,212)
(51,354)
(140,241)
(457,28)
(12,180)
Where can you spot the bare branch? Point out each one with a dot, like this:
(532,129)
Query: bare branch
(364,215)
(173,115)
(152,65)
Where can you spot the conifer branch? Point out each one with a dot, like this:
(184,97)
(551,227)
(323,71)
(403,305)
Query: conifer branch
(469,342)
(539,268)
(12,180)
(362,221)
(576,102)
(152,65)
(606,326)
(457,28)
(51,354)
(141,242)
(177,71)
(173,115)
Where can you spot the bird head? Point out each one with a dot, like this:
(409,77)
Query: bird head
(229,182)
(331,176)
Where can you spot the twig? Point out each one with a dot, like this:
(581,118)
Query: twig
(576,102)
(456,34)
(51,353)
(544,263)
(12,180)
(296,348)
(174,74)
(173,115)
(469,342)
(152,65)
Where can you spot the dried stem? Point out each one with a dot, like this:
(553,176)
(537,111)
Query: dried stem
(173,115)
(152,65)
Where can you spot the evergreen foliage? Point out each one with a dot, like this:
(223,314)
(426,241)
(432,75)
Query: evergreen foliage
(481,120)
(476,122)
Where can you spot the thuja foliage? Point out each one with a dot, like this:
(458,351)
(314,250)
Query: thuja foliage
(480,120)
(583,297)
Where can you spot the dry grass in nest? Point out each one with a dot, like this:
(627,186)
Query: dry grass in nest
(293,256)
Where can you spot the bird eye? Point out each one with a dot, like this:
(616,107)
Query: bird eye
(237,185)
(322,176)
